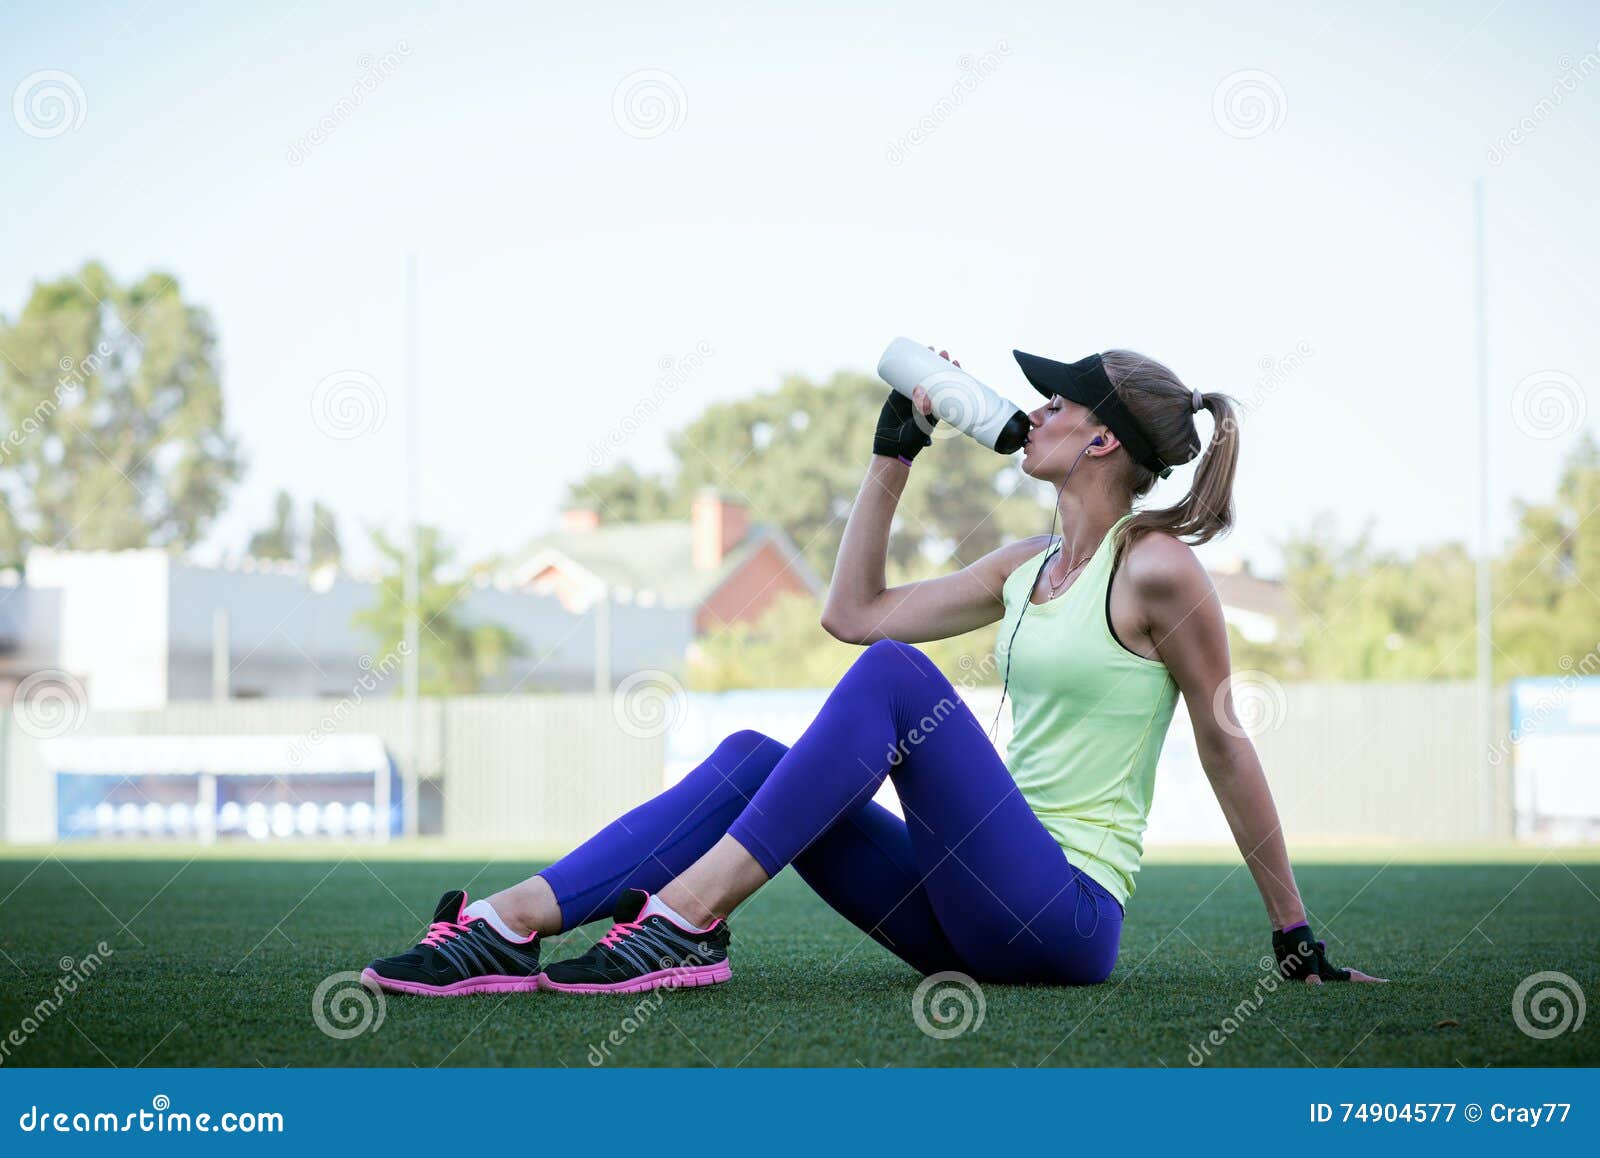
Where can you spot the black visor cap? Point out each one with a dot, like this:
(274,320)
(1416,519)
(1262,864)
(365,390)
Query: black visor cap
(1086,383)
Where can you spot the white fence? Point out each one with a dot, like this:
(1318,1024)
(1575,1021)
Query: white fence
(1347,762)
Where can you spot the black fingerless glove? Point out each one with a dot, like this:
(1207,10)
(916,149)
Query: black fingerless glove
(1301,956)
(901,432)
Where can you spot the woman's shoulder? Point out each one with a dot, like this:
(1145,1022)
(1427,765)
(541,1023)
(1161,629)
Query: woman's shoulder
(1018,553)
(1159,565)
(1003,562)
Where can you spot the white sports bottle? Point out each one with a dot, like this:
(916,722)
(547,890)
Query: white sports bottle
(958,398)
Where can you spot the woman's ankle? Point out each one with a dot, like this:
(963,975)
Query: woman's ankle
(529,907)
(687,906)
(716,884)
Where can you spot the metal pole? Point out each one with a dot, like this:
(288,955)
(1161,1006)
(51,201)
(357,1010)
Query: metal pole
(206,808)
(413,584)
(602,643)
(219,654)
(1485,610)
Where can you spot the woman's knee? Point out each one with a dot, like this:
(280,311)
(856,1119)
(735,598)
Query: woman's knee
(889,659)
(745,759)
(746,741)
(886,648)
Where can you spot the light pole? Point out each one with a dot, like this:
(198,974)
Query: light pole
(1485,610)
(413,584)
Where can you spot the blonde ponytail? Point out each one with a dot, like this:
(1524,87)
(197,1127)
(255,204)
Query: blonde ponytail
(1165,408)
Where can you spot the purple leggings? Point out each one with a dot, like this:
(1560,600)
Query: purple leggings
(969,881)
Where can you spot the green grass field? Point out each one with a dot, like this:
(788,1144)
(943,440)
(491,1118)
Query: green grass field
(215,960)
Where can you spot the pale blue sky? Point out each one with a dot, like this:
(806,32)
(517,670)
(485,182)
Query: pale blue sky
(1083,195)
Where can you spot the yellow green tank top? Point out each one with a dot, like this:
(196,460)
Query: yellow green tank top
(1088,720)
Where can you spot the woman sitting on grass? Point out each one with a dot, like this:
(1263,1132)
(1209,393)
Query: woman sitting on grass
(1009,874)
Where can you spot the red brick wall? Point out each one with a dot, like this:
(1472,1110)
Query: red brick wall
(749,591)
(715,525)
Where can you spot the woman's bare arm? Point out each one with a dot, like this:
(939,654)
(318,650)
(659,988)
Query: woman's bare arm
(862,608)
(1185,620)
(1184,617)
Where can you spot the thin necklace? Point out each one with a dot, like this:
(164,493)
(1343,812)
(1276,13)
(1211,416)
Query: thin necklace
(1055,587)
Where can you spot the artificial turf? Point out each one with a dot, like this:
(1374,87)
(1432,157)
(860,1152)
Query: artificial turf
(215,961)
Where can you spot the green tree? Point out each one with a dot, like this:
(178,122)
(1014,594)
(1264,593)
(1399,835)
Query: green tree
(282,539)
(1547,585)
(454,657)
(277,540)
(1365,614)
(622,494)
(111,417)
(1277,658)
(325,549)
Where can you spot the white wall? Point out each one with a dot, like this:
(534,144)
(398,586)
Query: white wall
(112,621)
(286,638)
(30,796)
(137,628)
(1254,626)
(1351,763)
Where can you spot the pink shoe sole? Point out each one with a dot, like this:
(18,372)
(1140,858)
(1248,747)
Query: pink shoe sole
(683,977)
(457,989)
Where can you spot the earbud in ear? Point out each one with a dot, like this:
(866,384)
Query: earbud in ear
(1097,441)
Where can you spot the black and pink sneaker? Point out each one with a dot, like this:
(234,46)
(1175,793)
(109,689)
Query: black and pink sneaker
(652,953)
(458,957)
